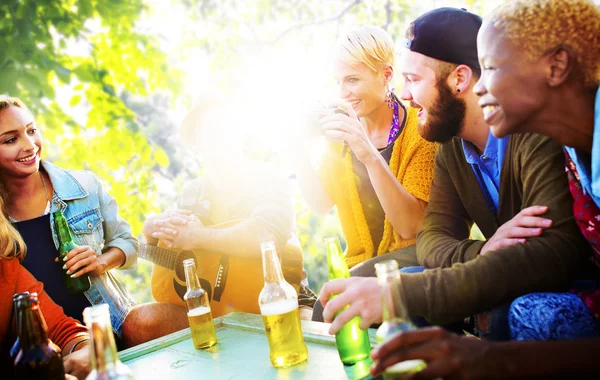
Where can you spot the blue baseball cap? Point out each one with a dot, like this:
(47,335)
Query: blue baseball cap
(446,34)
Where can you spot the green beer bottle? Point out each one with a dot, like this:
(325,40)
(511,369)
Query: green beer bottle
(75,285)
(352,342)
(395,317)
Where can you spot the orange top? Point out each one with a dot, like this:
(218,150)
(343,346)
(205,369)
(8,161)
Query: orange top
(14,278)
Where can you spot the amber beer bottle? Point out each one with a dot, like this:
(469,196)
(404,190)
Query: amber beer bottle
(38,357)
(104,361)
(352,343)
(18,299)
(200,317)
(75,285)
(395,317)
(278,304)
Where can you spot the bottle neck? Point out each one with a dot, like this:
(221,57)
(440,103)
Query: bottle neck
(335,259)
(392,297)
(271,267)
(32,326)
(191,277)
(103,351)
(20,300)
(62,229)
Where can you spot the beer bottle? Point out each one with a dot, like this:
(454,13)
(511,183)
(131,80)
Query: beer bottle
(395,317)
(38,357)
(104,361)
(352,342)
(278,304)
(75,285)
(200,317)
(18,298)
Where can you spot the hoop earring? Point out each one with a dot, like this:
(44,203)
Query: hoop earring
(389,97)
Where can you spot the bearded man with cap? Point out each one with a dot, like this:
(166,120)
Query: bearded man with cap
(513,188)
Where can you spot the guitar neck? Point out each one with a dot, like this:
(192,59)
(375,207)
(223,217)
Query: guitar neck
(157,255)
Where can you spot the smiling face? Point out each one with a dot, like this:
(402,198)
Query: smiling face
(360,86)
(20,143)
(512,89)
(441,112)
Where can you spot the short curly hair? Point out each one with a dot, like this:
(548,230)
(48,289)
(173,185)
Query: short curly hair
(538,26)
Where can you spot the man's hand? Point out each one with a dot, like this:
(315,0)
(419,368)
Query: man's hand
(362,294)
(78,363)
(167,219)
(525,224)
(178,236)
(340,127)
(448,356)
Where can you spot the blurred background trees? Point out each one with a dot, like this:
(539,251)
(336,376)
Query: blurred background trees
(110,80)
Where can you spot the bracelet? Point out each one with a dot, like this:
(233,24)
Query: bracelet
(77,344)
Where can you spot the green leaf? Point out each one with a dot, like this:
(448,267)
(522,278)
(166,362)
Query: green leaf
(75,100)
(161,158)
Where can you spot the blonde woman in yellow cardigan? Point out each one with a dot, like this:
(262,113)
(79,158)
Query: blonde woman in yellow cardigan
(376,168)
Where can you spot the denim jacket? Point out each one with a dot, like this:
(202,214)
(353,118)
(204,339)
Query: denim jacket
(92,215)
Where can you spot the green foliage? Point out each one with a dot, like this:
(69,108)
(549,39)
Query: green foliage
(91,51)
(71,61)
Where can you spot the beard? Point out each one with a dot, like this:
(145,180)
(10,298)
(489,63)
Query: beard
(446,117)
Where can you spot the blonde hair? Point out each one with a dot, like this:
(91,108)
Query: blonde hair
(368,45)
(538,26)
(7,101)
(11,242)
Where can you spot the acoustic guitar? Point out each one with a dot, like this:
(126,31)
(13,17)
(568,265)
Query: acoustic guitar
(233,283)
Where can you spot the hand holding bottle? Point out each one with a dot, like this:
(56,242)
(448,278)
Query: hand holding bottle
(82,260)
(362,294)
(78,363)
(448,355)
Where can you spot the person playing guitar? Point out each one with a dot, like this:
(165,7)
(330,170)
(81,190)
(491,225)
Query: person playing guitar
(222,218)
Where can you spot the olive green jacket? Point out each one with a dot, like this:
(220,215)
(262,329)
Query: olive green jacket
(465,283)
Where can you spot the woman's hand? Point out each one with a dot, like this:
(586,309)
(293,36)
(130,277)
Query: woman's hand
(78,363)
(339,127)
(526,224)
(448,355)
(82,260)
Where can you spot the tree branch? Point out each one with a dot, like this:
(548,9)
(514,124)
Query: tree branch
(388,15)
(320,22)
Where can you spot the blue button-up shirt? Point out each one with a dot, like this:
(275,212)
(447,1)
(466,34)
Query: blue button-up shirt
(487,167)
(588,167)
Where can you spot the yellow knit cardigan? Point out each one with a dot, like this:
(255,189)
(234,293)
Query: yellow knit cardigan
(411,162)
